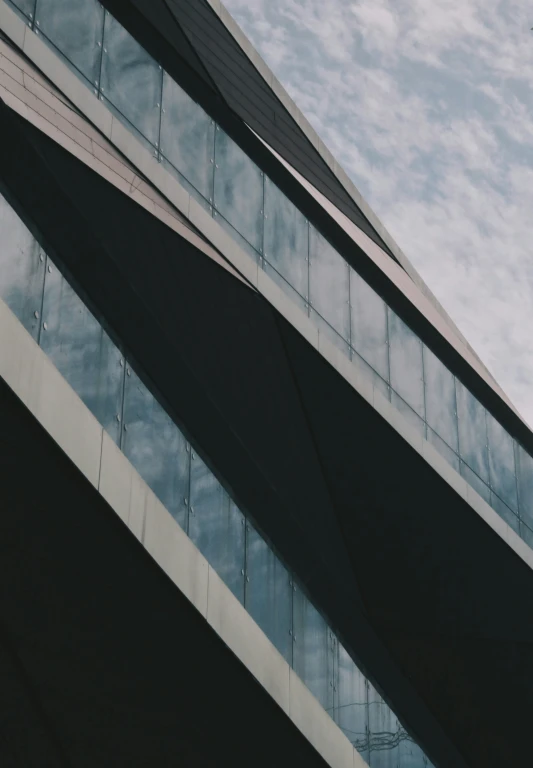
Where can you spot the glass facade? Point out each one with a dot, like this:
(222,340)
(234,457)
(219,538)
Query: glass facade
(289,248)
(49,308)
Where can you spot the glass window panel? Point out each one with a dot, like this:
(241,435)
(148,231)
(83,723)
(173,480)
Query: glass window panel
(216,526)
(329,284)
(441,409)
(526,533)
(444,449)
(525,485)
(409,753)
(510,517)
(409,415)
(330,333)
(313,650)
(156,447)
(379,383)
(472,424)
(21,269)
(477,484)
(502,463)
(268,594)
(75,27)
(285,287)
(131,80)
(369,325)
(82,351)
(239,239)
(351,705)
(238,189)
(286,238)
(187,137)
(383,732)
(405,351)
(26,6)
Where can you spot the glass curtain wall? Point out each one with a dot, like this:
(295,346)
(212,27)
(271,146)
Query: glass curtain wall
(226,182)
(51,311)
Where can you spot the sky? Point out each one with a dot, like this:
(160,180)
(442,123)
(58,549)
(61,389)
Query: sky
(428,106)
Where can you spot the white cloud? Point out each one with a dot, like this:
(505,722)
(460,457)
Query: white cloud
(428,105)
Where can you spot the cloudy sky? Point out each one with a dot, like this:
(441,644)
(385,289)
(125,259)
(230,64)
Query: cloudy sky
(428,105)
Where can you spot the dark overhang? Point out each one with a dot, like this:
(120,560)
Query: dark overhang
(429,599)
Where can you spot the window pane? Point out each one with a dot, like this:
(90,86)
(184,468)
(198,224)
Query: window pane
(406,363)
(75,27)
(26,6)
(525,485)
(155,447)
(187,137)
(268,596)
(369,325)
(286,239)
(409,415)
(216,526)
(502,463)
(444,449)
(21,269)
(410,755)
(81,351)
(131,80)
(477,484)
(351,707)
(505,513)
(472,424)
(329,283)
(238,189)
(330,333)
(384,736)
(295,297)
(369,373)
(440,399)
(313,650)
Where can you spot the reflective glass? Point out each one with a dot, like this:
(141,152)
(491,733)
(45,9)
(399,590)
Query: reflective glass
(313,649)
(379,383)
(251,250)
(444,449)
(131,80)
(187,137)
(330,333)
(21,269)
(216,526)
(384,732)
(409,753)
(472,432)
(82,351)
(238,189)
(502,463)
(477,484)
(441,408)
(286,241)
(285,287)
(406,371)
(525,485)
(510,517)
(268,593)
(26,6)
(526,533)
(351,703)
(156,447)
(329,284)
(409,415)
(369,325)
(75,27)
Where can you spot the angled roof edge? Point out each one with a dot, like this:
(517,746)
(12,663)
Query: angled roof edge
(341,176)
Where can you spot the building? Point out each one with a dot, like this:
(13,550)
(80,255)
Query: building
(261,502)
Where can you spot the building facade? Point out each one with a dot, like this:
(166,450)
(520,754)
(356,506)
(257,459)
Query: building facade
(262,500)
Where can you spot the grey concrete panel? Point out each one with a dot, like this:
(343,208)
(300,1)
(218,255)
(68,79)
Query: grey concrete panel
(172,549)
(318,727)
(247,641)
